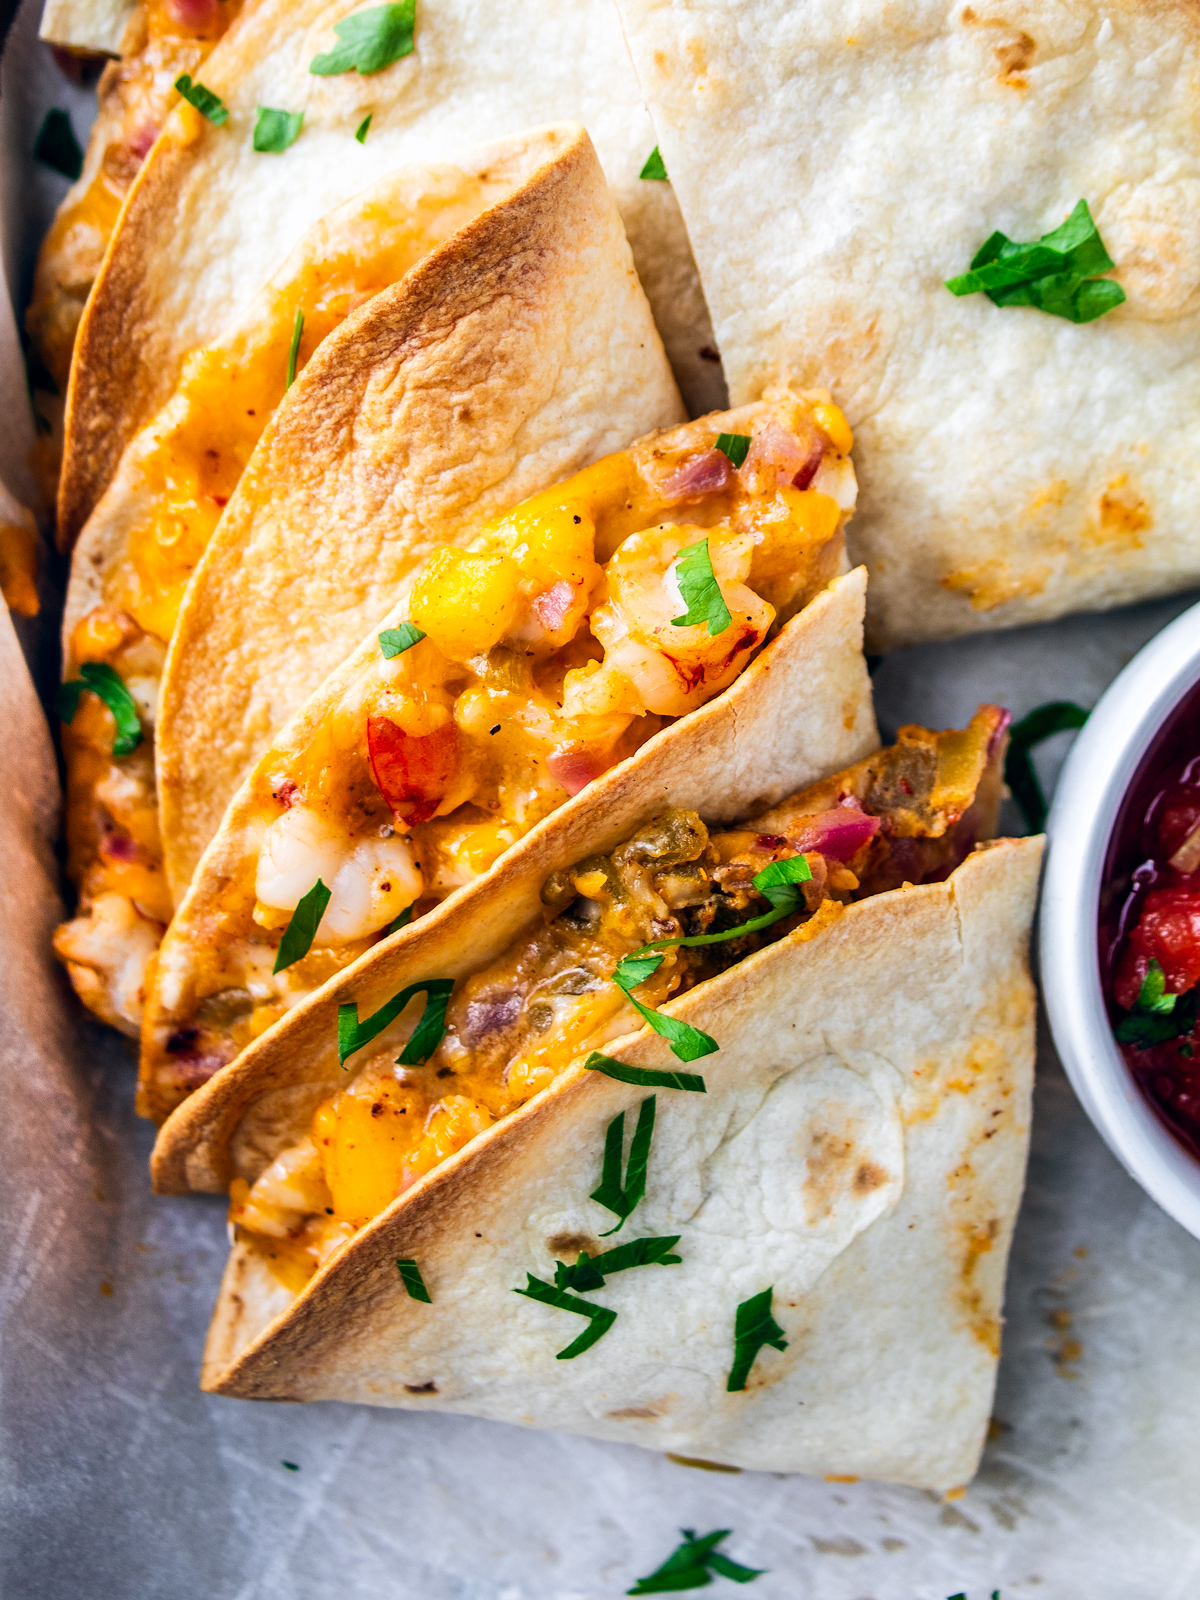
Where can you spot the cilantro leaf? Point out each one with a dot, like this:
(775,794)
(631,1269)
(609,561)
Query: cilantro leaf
(402,921)
(57,147)
(353,1034)
(700,591)
(207,103)
(1056,274)
(589,1272)
(302,928)
(734,446)
(600,1318)
(622,1199)
(1042,723)
(688,1043)
(410,1274)
(644,1077)
(369,41)
(654,167)
(275,130)
(395,641)
(360,133)
(754,1328)
(297,330)
(102,680)
(691,1564)
(1156,1015)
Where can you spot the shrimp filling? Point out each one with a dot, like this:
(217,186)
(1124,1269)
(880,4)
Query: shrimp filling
(549,650)
(907,815)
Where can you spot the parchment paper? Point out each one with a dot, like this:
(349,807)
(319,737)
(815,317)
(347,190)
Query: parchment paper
(120,1481)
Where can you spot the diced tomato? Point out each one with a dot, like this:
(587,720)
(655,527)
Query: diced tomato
(411,773)
(1169,933)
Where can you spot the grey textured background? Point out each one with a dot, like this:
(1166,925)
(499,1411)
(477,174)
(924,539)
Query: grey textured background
(120,1481)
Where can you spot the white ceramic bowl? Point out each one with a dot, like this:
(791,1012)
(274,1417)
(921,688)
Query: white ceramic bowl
(1094,779)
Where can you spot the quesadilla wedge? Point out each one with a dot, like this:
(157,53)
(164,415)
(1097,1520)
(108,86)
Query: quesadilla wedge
(512,674)
(232,212)
(1024,457)
(429,409)
(156,42)
(812,1221)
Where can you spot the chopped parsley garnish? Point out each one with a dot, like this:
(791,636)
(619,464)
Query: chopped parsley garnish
(402,921)
(655,167)
(101,679)
(360,133)
(395,641)
(297,330)
(735,446)
(700,591)
(207,103)
(643,1077)
(688,1043)
(1057,717)
(589,1272)
(302,929)
(600,1318)
(1057,274)
(275,130)
(622,1198)
(1156,1015)
(353,1034)
(292,1466)
(57,147)
(369,41)
(754,1328)
(779,882)
(410,1273)
(691,1566)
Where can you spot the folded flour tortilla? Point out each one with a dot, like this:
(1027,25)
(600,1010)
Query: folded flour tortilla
(232,213)
(801,707)
(848,1178)
(519,347)
(836,162)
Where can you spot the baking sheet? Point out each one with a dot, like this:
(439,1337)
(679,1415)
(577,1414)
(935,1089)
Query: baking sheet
(120,1481)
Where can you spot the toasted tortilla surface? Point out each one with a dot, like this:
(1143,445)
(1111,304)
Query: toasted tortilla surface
(860,1148)
(232,213)
(516,353)
(836,162)
(800,711)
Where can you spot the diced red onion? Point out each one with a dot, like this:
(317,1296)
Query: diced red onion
(806,474)
(839,834)
(574,769)
(707,473)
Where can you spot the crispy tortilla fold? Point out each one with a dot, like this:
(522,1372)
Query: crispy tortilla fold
(232,213)
(860,1150)
(517,353)
(1014,466)
(802,709)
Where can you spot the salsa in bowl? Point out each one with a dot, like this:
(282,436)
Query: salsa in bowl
(1120,921)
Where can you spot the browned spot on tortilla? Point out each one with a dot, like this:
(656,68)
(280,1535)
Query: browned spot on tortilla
(420,1388)
(651,1409)
(993,583)
(827,1160)
(983,1324)
(1121,515)
(562,1244)
(868,1177)
(1014,58)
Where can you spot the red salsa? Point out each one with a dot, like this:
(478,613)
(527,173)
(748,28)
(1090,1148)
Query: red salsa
(1150,924)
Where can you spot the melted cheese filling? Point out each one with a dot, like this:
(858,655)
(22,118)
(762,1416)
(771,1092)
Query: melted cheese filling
(551,651)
